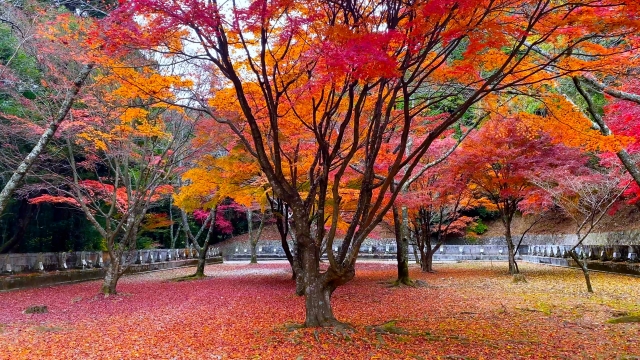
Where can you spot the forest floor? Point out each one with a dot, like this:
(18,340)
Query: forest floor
(466,311)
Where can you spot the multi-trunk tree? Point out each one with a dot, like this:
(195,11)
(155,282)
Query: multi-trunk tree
(122,148)
(503,160)
(311,88)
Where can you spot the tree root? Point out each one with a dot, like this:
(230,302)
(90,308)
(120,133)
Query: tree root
(405,282)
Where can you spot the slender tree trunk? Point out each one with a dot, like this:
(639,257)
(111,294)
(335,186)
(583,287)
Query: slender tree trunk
(402,254)
(28,161)
(417,256)
(253,241)
(513,267)
(202,250)
(584,268)
(423,259)
(254,253)
(427,265)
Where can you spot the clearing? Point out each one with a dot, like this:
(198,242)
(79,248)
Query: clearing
(466,311)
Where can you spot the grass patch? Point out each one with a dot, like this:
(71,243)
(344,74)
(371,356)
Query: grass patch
(625,319)
(189,278)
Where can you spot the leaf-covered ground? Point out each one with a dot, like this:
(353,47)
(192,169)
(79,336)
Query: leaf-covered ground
(466,311)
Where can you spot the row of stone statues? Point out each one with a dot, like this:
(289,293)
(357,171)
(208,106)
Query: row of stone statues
(588,252)
(15,263)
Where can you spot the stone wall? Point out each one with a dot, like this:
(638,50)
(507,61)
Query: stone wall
(627,237)
(492,250)
(45,262)
(31,280)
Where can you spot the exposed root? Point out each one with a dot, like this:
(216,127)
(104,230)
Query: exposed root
(403,282)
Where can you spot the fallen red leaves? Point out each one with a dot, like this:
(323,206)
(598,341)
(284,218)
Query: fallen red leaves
(467,310)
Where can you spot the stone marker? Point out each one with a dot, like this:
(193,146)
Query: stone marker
(36,309)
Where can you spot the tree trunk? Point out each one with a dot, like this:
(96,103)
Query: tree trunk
(402,254)
(202,260)
(416,256)
(254,254)
(427,262)
(423,259)
(112,277)
(252,242)
(318,287)
(584,267)
(513,266)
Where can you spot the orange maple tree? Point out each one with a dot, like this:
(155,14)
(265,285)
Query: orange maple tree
(312,88)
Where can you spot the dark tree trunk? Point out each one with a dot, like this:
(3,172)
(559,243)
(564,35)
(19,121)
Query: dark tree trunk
(254,254)
(317,293)
(423,258)
(318,287)
(513,266)
(402,254)
(584,267)
(427,261)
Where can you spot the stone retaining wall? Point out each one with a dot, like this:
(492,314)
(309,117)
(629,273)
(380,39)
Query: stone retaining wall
(31,280)
(43,262)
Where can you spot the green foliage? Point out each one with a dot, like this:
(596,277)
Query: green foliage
(144,242)
(485,214)
(17,59)
(24,66)
(479,227)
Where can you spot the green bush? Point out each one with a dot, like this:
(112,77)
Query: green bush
(479,227)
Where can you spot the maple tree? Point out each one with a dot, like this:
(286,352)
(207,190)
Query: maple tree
(585,199)
(61,77)
(131,147)
(435,214)
(214,223)
(505,172)
(309,88)
(223,172)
